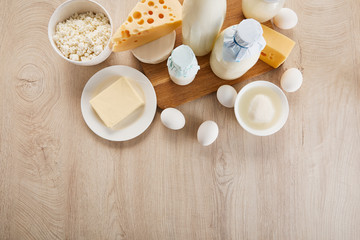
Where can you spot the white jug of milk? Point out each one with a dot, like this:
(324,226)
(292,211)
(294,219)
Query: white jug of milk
(202,21)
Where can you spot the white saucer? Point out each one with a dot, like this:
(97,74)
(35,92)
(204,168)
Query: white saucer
(133,125)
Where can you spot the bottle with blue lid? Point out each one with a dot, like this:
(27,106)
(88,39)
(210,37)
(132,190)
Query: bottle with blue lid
(237,49)
(261,10)
(182,65)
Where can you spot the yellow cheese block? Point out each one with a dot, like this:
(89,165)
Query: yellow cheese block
(278,47)
(148,21)
(116,102)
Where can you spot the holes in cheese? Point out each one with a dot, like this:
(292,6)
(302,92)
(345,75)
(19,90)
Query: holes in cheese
(137,15)
(125,34)
(148,21)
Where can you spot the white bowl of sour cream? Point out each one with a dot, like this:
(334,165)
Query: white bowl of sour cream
(261,108)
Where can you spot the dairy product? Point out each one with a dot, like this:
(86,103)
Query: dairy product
(261,10)
(278,47)
(148,21)
(156,51)
(182,65)
(237,49)
(229,70)
(116,102)
(202,21)
(83,36)
(260,108)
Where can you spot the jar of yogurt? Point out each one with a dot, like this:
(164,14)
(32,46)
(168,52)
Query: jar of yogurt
(202,21)
(261,10)
(182,65)
(237,49)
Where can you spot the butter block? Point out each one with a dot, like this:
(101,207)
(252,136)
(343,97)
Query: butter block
(278,47)
(148,21)
(116,102)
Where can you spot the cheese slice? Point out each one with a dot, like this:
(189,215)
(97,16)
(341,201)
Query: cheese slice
(278,47)
(156,51)
(148,21)
(116,102)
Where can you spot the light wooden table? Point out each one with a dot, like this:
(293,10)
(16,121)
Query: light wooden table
(58,180)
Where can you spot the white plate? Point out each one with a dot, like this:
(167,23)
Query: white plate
(133,125)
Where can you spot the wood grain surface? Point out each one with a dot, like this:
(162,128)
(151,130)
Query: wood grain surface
(58,180)
(170,94)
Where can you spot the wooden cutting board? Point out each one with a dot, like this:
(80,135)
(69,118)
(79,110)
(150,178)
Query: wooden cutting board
(171,95)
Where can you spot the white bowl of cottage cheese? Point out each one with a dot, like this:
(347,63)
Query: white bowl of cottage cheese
(80,32)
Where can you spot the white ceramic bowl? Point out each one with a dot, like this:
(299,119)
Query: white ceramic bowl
(284,106)
(66,10)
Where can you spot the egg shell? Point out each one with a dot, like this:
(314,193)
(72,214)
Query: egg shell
(291,80)
(286,19)
(207,133)
(226,95)
(172,118)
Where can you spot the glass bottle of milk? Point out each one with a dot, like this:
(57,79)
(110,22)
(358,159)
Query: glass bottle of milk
(202,21)
(261,10)
(237,49)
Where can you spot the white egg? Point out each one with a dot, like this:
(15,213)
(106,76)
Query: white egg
(285,19)
(207,133)
(291,80)
(172,118)
(226,95)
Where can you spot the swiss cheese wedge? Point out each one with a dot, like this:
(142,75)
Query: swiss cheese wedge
(148,21)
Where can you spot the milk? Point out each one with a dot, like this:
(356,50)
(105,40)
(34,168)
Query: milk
(229,70)
(261,10)
(202,21)
(237,49)
(182,65)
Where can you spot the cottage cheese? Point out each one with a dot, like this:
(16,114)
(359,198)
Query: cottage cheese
(83,36)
